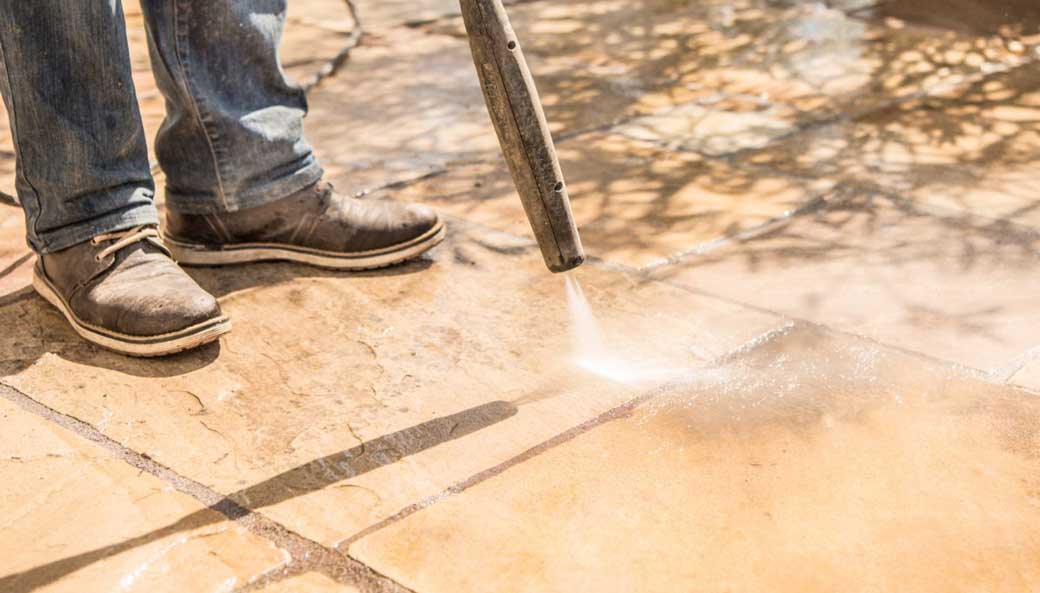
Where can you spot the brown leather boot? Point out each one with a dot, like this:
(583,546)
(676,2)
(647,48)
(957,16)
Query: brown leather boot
(122,291)
(313,226)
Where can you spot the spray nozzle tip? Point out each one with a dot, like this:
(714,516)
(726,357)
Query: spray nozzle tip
(566,265)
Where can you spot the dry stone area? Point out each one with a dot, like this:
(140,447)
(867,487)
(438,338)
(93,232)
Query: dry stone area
(823,217)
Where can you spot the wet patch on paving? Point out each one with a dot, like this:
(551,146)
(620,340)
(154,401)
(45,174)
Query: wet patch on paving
(864,165)
(812,462)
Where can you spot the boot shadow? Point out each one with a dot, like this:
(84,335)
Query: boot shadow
(51,333)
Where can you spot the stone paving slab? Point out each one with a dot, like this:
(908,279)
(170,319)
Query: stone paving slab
(16,261)
(1028,376)
(338,400)
(813,462)
(765,68)
(64,496)
(408,104)
(377,16)
(422,417)
(972,148)
(953,286)
(634,202)
(1012,19)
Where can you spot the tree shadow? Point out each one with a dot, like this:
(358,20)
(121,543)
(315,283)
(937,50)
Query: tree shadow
(737,81)
(298,481)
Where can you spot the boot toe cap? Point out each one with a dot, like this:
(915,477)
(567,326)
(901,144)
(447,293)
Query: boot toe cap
(163,314)
(148,303)
(419,220)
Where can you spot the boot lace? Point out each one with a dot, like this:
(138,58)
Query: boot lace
(125,238)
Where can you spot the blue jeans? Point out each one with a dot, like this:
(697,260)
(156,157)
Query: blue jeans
(233,133)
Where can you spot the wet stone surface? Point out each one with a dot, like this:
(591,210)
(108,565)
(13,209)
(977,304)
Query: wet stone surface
(738,169)
(814,462)
(368,393)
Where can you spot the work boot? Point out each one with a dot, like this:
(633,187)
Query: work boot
(314,226)
(122,291)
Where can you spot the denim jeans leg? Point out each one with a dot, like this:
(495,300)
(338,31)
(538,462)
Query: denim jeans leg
(233,134)
(82,160)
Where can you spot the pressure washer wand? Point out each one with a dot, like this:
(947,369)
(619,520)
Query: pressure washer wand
(516,111)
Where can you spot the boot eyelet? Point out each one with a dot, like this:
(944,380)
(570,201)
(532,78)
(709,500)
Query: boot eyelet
(98,258)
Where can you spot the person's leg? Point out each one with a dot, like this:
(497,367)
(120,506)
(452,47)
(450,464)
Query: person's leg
(85,183)
(242,183)
(233,135)
(82,161)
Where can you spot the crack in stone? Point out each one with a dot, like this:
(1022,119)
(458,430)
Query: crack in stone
(202,407)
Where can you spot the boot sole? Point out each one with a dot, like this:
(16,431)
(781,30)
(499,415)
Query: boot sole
(190,254)
(139,346)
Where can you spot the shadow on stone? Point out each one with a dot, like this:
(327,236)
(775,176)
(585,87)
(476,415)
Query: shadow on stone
(309,477)
(221,282)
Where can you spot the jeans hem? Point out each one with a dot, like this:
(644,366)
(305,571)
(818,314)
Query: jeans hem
(307,175)
(65,237)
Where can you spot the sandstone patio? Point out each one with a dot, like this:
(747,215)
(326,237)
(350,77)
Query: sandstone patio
(825,215)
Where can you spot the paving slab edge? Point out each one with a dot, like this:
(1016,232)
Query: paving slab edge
(306,555)
(336,563)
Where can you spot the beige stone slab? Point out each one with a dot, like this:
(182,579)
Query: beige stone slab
(598,61)
(1029,375)
(76,519)
(947,285)
(339,400)
(1011,19)
(813,462)
(16,260)
(407,105)
(972,149)
(306,48)
(635,203)
(310,582)
(709,130)
(378,16)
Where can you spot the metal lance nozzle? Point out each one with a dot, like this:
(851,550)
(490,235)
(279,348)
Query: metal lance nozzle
(515,109)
